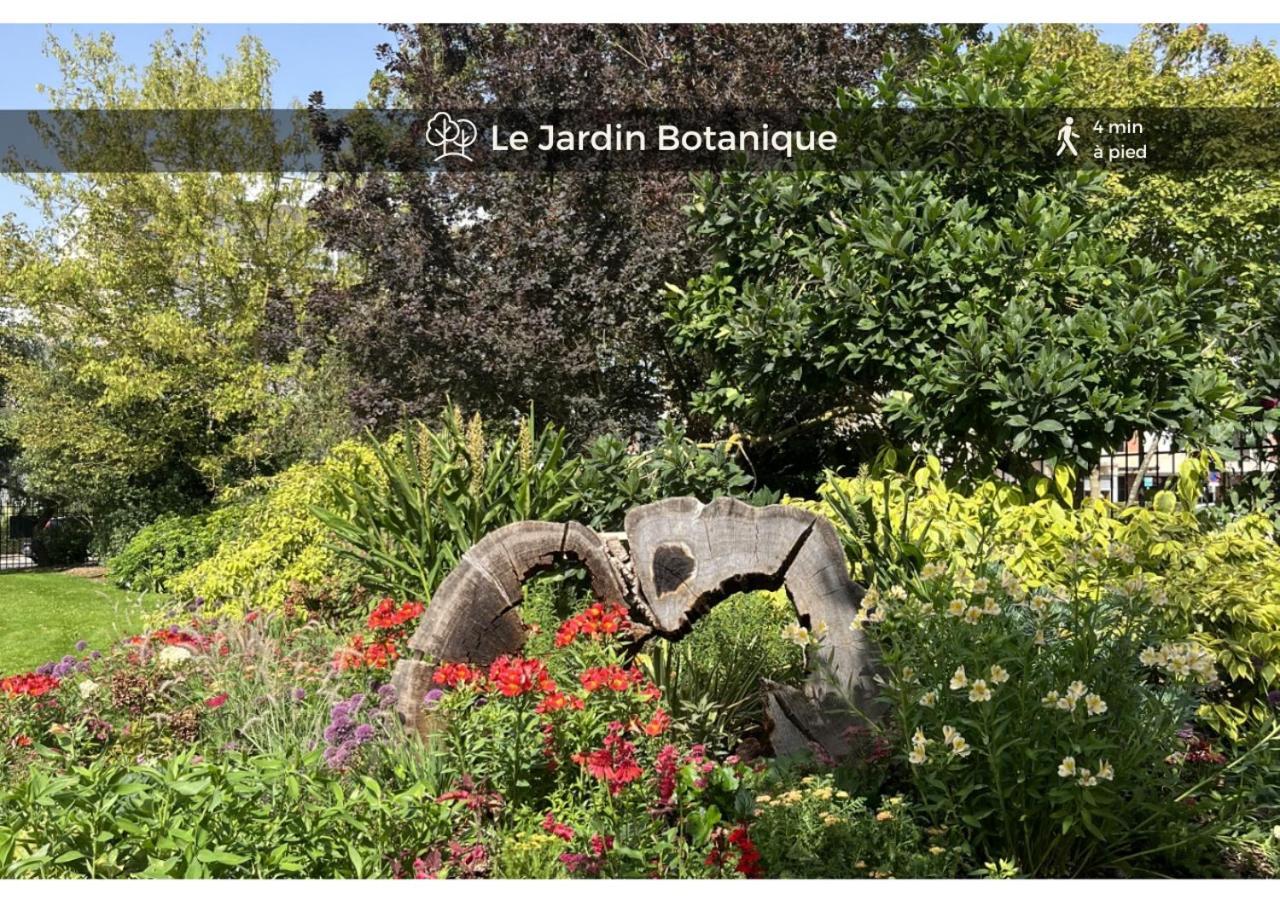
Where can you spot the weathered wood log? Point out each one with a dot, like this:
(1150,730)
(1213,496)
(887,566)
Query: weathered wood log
(689,556)
(683,558)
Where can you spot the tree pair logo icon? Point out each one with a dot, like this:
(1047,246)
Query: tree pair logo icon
(451,136)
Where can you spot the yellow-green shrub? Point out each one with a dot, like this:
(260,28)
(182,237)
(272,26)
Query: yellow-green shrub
(1226,580)
(280,541)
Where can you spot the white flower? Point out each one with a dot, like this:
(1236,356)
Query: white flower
(999,675)
(1087,778)
(877,615)
(1105,772)
(88,688)
(897,592)
(856,624)
(1077,689)
(979,692)
(1039,603)
(973,615)
(916,756)
(929,699)
(1067,703)
(957,607)
(1039,639)
(949,734)
(991,607)
(960,747)
(959,680)
(796,634)
(1150,656)
(1051,699)
(1095,705)
(918,739)
(173,654)
(1067,768)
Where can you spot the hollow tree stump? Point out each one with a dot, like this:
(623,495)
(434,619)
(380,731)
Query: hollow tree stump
(684,557)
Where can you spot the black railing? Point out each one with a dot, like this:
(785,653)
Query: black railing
(18,524)
(1148,463)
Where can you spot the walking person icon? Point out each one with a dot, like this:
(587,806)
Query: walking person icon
(1065,134)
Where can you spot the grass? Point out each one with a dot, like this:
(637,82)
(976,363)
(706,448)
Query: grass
(44,614)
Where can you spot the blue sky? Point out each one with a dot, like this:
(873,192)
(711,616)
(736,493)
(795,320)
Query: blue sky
(336,59)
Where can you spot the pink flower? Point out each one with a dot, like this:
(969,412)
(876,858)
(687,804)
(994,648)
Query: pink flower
(216,701)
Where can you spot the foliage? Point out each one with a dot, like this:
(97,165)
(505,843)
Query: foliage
(991,314)
(711,677)
(61,541)
(817,830)
(1221,580)
(1068,700)
(614,477)
(424,497)
(280,544)
(145,293)
(548,293)
(161,551)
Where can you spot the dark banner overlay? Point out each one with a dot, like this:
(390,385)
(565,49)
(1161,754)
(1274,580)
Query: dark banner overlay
(1183,141)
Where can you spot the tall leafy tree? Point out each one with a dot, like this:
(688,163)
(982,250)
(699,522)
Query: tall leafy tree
(151,385)
(501,289)
(995,314)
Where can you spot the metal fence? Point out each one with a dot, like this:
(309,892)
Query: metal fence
(18,523)
(1147,463)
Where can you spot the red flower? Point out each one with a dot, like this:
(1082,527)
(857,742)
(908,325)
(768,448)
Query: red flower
(597,621)
(615,678)
(748,856)
(552,827)
(216,701)
(454,674)
(614,764)
(22,740)
(30,685)
(387,615)
(665,766)
(514,676)
(556,701)
(251,617)
(658,723)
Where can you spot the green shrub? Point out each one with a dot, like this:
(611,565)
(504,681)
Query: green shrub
(1224,581)
(62,541)
(167,547)
(280,545)
(407,513)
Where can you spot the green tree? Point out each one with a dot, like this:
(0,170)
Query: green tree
(995,314)
(147,295)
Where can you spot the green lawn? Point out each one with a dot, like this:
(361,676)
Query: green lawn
(44,614)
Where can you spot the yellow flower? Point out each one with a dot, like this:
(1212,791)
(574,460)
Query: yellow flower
(973,615)
(823,793)
(960,747)
(1150,656)
(949,734)
(1095,705)
(918,739)
(991,607)
(876,615)
(1077,689)
(959,680)
(917,756)
(908,673)
(936,850)
(796,634)
(1105,772)
(897,592)
(763,798)
(1039,639)
(860,864)
(999,675)
(979,693)
(929,699)
(1067,768)
(884,815)
(957,607)
(856,624)
(842,795)
(1051,699)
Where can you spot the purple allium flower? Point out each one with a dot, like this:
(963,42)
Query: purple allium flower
(46,669)
(344,735)
(1273,697)
(82,646)
(96,654)
(363,733)
(433,697)
(298,694)
(387,696)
